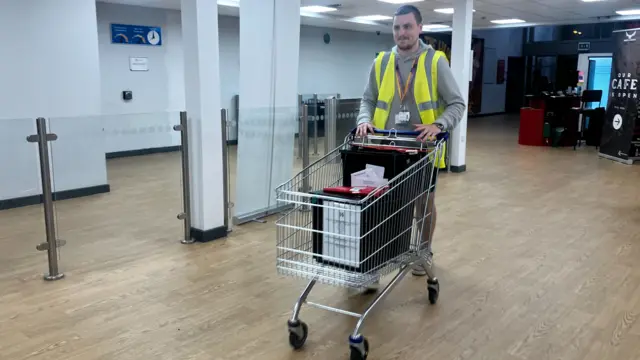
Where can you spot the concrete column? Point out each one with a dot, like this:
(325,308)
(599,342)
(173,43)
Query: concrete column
(269,56)
(202,100)
(461,58)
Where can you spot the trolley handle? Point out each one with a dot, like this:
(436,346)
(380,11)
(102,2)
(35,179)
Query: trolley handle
(441,136)
(394,133)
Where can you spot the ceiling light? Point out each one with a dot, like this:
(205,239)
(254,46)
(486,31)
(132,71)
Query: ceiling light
(317,9)
(507,21)
(373,17)
(447,11)
(400,1)
(591,0)
(234,3)
(431,27)
(628,12)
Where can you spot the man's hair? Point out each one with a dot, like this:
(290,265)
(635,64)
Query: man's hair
(409,9)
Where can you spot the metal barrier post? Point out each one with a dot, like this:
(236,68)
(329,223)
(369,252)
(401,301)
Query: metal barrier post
(224,116)
(330,123)
(52,244)
(316,119)
(305,147)
(299,126)
(185,215)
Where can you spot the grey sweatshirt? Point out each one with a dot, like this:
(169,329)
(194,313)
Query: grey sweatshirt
(448,92)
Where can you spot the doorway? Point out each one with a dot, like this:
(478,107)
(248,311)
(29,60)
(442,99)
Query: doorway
(599,77)
(514,97)
(566,71)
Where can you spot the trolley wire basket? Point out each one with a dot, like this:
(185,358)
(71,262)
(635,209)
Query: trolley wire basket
(346,236)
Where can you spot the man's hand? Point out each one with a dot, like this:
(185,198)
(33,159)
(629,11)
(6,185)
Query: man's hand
(363,129)
(427,132)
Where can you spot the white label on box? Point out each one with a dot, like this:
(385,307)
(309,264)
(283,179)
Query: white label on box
(341,219)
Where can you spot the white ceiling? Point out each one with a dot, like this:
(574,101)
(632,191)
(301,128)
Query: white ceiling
(534,12)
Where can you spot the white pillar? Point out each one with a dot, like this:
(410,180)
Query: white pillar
(268,103)
(202,99)
(461,67)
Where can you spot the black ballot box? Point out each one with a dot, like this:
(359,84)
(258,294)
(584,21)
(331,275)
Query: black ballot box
(362,236)
(356,158)
(365,235)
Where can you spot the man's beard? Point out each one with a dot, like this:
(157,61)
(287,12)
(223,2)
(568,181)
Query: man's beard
(409,46)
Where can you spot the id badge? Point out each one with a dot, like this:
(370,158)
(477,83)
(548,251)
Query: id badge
(402,117)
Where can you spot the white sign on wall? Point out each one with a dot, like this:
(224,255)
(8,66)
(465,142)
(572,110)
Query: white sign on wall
(139,64)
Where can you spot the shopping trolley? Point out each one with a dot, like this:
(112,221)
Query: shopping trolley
(346,236)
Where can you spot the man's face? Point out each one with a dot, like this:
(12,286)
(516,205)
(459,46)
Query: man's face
(406,31)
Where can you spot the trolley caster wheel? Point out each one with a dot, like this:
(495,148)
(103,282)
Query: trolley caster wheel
(298,332)
(359,348)
(433,286)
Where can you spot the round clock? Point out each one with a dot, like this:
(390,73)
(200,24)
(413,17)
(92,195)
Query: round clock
(153,37)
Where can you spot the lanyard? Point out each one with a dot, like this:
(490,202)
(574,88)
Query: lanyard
(409,79)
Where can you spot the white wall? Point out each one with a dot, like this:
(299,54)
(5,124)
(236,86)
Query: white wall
(50,62)
(158,95)
(342,66)
(50,68)
(338,67)
(503,43)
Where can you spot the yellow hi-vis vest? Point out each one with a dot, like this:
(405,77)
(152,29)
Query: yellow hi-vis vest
(426,99)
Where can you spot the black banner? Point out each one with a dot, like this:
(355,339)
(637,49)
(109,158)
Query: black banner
(621,132)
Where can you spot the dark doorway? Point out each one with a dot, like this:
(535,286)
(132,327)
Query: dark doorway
(515,84)
(566,72)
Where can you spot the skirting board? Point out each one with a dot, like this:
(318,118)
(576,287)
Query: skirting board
(258,214)
(139,152)
(209,235)
(458,169)
(59,195)
(158,150)
(487,114)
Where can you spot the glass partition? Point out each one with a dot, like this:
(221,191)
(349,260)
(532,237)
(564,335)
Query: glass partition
(21,220)
(317,117)
(263,161)
(116,186)
(324,96)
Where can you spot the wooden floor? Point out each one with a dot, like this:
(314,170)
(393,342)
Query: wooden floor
(537,250)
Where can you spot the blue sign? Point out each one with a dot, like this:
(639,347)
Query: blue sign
(136,35)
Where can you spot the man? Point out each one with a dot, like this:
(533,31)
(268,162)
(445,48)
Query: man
(412,88)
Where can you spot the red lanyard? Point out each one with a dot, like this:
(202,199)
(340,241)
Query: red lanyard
(409,79)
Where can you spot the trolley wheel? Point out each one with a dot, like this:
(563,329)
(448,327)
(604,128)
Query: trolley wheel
(359,351)
(433,286)
(298,334)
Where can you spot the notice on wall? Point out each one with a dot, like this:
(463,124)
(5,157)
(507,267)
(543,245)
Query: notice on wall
(139,64)
(621,131)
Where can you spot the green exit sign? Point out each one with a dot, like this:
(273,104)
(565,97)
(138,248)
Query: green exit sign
(584,46)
